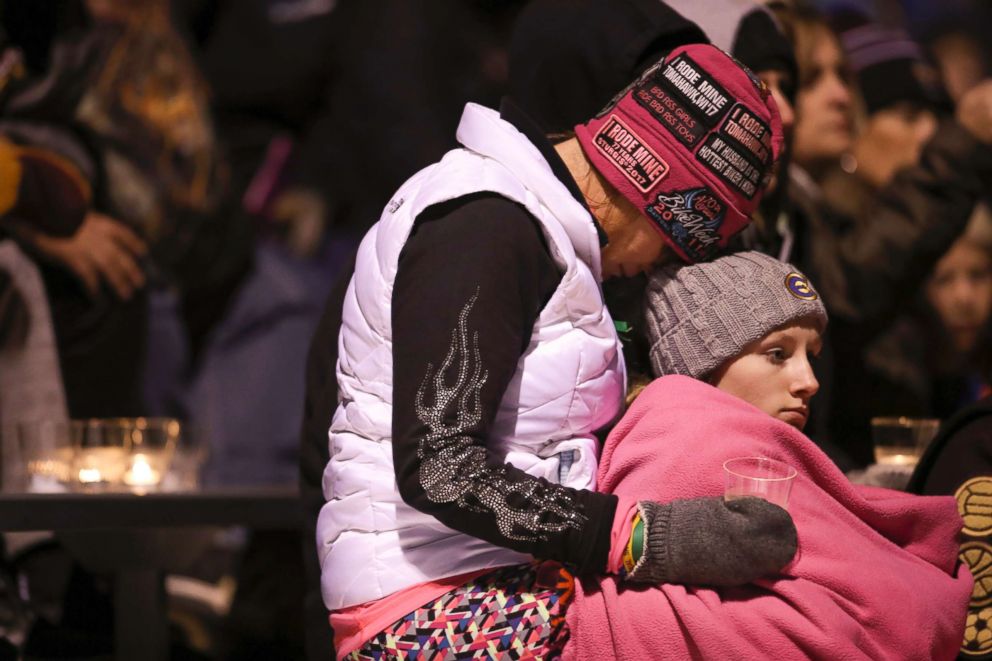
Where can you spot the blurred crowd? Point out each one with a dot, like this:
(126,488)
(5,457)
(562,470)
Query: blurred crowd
(188,177)
(184,182)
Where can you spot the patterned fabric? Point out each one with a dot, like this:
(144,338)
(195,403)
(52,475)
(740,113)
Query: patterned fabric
(512,613)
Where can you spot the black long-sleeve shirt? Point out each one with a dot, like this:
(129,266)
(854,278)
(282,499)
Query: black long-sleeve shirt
(471,282)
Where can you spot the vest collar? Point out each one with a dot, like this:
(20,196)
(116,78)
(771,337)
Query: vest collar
(510,112)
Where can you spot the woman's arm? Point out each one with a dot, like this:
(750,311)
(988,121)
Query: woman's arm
(471,282)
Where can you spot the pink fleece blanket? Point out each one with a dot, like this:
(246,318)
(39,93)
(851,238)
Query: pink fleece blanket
(876,575)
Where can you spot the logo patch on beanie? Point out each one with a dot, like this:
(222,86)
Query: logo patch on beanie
(630,154)
(684,99)
(798,285)
(692,219)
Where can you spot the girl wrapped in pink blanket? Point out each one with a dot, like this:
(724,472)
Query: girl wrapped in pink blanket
(876,575)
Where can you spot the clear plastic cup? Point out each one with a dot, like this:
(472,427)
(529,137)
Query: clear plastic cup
(758,477)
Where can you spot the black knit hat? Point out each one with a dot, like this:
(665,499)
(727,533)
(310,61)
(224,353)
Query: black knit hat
(569,58)
(891,68)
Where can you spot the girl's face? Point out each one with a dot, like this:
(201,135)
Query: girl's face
(960,290)
(774,374)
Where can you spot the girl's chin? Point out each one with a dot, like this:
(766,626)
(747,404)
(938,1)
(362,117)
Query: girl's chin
(793,419)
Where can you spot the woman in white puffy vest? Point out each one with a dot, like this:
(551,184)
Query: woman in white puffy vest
(477,359)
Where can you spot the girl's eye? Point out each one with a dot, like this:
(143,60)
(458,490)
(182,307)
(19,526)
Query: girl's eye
(776,355)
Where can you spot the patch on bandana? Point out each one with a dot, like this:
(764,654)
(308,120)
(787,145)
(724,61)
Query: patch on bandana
(630,154)
(691,218)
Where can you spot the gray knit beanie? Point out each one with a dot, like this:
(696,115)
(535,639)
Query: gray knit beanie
(700,315)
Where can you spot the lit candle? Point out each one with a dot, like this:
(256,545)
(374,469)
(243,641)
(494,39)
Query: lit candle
(100,465)
(90,475)
(896,458)
(141,473)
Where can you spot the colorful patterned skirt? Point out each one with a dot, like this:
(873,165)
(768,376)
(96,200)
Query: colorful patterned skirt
(512,613)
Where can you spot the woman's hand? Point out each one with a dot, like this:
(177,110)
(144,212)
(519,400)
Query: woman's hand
(102,250)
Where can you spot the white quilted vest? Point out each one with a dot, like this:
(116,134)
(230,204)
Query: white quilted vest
(569,382)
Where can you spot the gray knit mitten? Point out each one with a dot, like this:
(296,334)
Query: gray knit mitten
(705,541)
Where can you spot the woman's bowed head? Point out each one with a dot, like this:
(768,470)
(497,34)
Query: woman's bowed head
(746,323)
(678,161)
